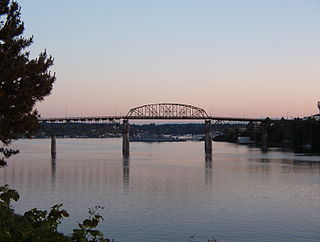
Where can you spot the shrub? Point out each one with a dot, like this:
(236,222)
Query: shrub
(40,225)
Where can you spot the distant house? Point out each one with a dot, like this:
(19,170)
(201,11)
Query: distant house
(244,140)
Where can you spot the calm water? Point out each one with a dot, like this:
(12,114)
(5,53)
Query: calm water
(168,192)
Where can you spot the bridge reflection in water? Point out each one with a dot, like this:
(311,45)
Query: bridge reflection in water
(70,172)
(164,183)
(125,174)
(70,176)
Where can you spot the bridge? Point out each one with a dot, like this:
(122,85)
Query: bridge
(168,111)
(162,111)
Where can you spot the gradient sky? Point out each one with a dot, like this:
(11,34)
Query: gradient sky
(232,58)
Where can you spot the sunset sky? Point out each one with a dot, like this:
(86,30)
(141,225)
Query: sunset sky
(232,58)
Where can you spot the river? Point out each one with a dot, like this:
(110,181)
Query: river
(168,192)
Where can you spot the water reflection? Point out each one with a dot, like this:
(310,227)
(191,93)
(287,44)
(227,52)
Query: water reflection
(282,165)
(208,170)
(125,174)
(53,172)
(208,157)
(173,187)
(255,168)
(264,160)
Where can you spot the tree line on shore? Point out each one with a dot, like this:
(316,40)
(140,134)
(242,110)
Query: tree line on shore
(88,130)
(299,135)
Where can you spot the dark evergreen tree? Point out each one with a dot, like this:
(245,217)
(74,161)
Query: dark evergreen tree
(23,81)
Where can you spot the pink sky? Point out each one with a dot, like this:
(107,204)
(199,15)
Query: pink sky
(252,59)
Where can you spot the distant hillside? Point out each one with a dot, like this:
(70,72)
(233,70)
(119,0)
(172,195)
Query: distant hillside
(115,130)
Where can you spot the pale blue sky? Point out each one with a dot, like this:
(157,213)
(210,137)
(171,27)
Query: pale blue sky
(261,58)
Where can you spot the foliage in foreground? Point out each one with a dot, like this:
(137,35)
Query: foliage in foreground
(40,225)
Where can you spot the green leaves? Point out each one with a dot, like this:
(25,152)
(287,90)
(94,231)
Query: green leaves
(8,194)
(41,225)
(87,231)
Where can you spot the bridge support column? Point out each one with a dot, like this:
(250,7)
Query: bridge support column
(208,138)
(125,138)
(53,146)
(264,137)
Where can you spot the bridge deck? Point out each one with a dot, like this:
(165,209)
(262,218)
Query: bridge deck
(118,118)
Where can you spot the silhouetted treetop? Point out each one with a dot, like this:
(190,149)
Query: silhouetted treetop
(23,81)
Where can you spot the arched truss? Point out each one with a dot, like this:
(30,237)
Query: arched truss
(167,111)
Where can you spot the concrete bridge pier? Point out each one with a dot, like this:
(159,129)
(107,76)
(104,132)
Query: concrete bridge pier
(264,137)
(53,146)
(208,138)
(125,138)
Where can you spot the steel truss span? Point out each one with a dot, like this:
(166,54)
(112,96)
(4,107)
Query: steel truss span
(167,111)
(162,111)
